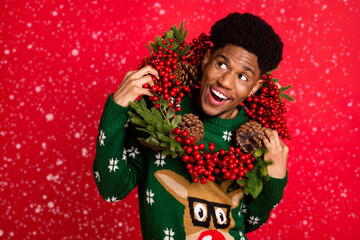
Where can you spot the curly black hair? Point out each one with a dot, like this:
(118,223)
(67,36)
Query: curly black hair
(253,34)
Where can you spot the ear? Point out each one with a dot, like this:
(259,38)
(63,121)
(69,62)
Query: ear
(206,59)
(256,87)
(174,183)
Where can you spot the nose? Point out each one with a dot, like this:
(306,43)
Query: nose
(227,80)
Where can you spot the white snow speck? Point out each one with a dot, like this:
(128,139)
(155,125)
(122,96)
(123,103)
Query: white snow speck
(75,52)
(162,12)
(1,232)
(18,146)
(6,51)
(37,89)
(49,117)
(54,13)
(50,204)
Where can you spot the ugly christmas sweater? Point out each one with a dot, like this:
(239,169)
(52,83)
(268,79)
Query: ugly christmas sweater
(171,205)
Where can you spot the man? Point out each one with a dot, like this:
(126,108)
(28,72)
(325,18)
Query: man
(171,205)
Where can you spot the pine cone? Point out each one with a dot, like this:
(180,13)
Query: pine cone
(249,136)
(187,74)
(193,125)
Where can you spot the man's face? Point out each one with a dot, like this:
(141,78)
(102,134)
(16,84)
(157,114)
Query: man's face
(230,74)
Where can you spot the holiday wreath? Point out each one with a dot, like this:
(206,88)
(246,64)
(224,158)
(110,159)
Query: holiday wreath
(178,65)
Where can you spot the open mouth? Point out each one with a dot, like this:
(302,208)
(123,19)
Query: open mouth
(218,96)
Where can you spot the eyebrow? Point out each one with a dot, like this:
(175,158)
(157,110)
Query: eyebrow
(245,68)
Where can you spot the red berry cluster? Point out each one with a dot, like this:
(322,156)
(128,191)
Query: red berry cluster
(203,165)
(198,49)
(165,62)
(265,107)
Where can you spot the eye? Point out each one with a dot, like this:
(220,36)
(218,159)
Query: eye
(222,65)
(220,216)
(200,212)
(243,77)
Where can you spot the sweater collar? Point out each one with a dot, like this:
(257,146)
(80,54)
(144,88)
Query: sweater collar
(188,106)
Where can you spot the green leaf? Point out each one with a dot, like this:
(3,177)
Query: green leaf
(164,103)
(170,113)
(175,122)
(185,50)
(283,89)
(138,121)
(160,128)
(151,128)
(288,97)
(153,45)
(167,127)
(275,80)
(253,183)
(169,35)
(148,48)
(172,146)
(241,182)
(181,29)
(157,114)
(159,41)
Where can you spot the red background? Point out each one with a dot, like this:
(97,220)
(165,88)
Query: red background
(60,59)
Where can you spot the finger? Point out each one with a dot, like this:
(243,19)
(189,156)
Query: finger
(143,80)
(145,71)
(266,143)
(146,92)
(128,74)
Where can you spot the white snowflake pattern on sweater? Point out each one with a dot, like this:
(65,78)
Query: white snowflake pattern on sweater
(113,164)
(253,220)
(227,135)
(102,137)
(160,159)
(169,234)
(133,152)
(149,196)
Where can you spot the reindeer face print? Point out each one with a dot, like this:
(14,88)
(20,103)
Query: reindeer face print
(207,213)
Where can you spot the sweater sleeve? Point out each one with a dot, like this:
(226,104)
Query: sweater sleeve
(257,211)
(118,164)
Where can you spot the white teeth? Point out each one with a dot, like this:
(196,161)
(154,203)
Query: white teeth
(218,94)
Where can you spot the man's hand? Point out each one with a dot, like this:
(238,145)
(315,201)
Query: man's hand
(132,85)
(278,153)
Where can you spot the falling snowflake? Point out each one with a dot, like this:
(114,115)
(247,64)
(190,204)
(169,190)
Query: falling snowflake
(113,199)
(242,209)
(241,236)
(169,234)
(160,159)
(149,196)
(227,135)
(133,152)
(113,164)
(97,176)
(124,157)
(127,123)
(253,220)
(102,137)
(275,206)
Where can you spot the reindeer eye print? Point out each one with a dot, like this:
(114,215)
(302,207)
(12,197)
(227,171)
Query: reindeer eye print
(220,216)
(200,212)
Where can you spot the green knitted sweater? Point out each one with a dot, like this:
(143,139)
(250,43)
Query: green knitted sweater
(172,206)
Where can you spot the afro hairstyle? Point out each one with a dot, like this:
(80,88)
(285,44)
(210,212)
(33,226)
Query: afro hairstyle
(251,33)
